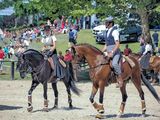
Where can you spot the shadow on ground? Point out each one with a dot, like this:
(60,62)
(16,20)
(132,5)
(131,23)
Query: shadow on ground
(62,108)
(129,115)
(6,107)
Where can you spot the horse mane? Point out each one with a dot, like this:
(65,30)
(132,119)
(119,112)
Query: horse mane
(34,53)
(90,46)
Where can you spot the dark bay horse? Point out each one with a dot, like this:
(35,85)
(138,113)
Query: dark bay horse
(101,72)
(32,61)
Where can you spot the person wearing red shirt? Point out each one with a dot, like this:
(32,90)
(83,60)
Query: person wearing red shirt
(127,50)
(2,55)
(68,56)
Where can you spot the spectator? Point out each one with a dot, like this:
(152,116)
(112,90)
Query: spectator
(60,55)
(2,55)
(21,49)
(49,22)
(142,44)
(11,52)
(6,51)
(71,38)
(14,36)
(68,56)
(155,40)
(1,35)
(127,50)
(75,35)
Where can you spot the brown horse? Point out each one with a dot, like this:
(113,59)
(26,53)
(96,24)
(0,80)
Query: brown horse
(101,72)
(154,64)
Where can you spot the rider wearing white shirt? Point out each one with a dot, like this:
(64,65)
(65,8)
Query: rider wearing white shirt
(144,59)
(50,43)
(148,48)
(112,47)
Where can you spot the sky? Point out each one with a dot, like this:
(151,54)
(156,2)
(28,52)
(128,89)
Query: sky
(7,11)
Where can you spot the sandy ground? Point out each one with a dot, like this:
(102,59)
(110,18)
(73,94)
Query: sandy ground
(13,103)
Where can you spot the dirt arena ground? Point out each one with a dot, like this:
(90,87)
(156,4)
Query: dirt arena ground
(13,103)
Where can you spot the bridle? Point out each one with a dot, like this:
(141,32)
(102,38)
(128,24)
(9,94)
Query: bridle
(26,67)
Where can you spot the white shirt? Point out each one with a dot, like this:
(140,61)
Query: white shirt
(148,47)
(49,40)
(115,34)
(26,42)
(11,50)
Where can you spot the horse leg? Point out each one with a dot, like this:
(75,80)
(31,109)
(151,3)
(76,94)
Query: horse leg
(93,93)
(124,99)
(137,83)
(101,94)
(33,86)
(69,94)
(45,97)
(54,87)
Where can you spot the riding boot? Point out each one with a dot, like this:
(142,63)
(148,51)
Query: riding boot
(120,80)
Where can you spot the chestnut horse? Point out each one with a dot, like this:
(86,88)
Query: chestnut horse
(101,72)
(154,65)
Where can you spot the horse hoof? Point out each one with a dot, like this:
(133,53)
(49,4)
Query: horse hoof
(55,107)
(45,109)
(99,116)
(143,115)
(119,115)
(101,111)
(70,106)
(29,109)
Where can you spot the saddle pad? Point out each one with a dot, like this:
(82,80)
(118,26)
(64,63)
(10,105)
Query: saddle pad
(130,61)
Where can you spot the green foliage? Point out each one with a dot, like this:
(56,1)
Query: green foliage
(6,3)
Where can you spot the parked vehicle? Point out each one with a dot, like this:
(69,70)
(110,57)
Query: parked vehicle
(98,29)
(127,34)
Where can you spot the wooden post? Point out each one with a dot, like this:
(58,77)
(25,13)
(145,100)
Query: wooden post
(12,70)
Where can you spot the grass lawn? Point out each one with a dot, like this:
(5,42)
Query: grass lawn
(84,36)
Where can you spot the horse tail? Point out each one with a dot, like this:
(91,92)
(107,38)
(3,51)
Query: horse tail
(150,87)
(71,79)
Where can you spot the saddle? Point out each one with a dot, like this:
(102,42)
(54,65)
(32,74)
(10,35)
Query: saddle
(60,61)
(122,60)
(151,59)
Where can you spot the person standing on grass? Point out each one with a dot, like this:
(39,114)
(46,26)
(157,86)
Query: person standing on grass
(71,38)
(2,55)
(127,50)
(142,44)
(155,40)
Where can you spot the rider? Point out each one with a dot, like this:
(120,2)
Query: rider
(112,46)
(49,42)
(144,59)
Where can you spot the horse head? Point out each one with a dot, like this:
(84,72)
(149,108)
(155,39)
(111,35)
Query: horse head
(22,65)
(78,57)
(91,54)
(27,61)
